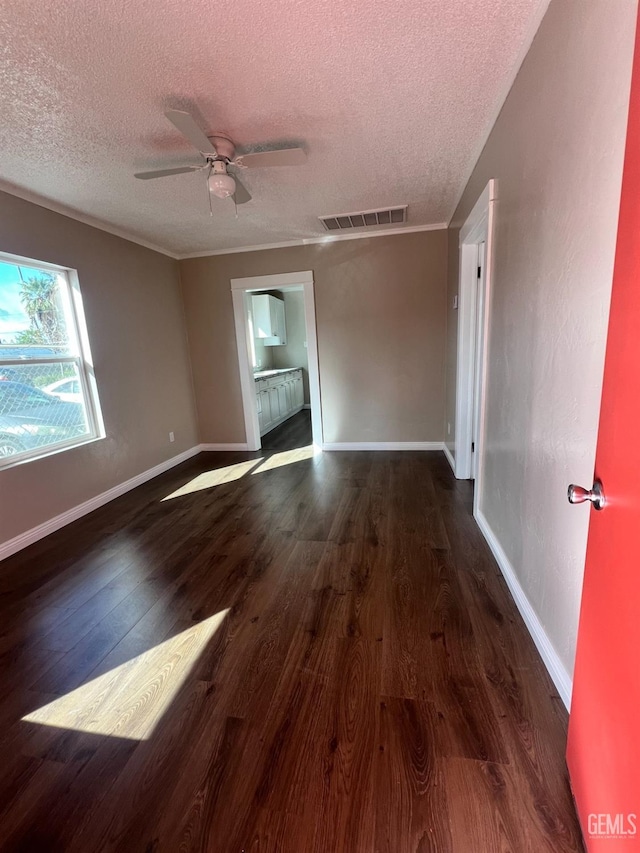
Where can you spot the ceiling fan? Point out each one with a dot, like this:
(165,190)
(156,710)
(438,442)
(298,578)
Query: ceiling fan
(219,154)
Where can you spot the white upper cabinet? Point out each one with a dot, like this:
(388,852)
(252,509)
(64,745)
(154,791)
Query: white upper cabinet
(268,320)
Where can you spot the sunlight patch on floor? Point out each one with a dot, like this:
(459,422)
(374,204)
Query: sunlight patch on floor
(287,457)
(129,701)
(220,476)
(216,477)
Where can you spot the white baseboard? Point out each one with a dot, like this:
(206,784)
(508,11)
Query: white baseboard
(384,445)
(206,448)
(554,665)
(450,458)
(307,406)
(30,536)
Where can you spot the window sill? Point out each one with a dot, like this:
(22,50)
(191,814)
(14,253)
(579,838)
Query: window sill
(24,459)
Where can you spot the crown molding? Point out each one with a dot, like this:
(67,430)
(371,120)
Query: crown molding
(310,241)
(72,213)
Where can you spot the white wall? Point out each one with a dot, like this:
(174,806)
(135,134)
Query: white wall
(264,355)
(556,151)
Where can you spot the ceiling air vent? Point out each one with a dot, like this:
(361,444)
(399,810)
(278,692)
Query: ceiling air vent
(365,218)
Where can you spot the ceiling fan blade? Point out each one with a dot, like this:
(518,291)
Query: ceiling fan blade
(241,195)
(163,173)
(187,126)
(281,157)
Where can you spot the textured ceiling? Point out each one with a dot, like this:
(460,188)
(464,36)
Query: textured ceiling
(391,98)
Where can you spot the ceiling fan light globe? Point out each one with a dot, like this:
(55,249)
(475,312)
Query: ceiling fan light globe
(222,185)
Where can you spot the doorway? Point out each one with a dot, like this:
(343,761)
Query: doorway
(278,401)
(473,329)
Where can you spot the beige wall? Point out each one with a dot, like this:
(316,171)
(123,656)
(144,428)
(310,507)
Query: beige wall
(294,354)
(556,151)
(135,318)
(380,306)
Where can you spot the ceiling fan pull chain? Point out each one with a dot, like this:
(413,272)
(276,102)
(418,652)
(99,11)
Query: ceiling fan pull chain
(208,193)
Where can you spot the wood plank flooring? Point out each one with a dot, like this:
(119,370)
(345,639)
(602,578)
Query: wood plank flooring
(277,652)
(294,432)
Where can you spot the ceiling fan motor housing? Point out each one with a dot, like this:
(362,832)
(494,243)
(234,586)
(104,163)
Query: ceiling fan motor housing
(223,145)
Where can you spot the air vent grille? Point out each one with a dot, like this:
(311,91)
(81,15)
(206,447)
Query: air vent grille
(365,218)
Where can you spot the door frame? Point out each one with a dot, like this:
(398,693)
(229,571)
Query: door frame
(473,337)
(241,289)
(479,335)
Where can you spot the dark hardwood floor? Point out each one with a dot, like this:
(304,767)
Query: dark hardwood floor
(298,654)
(294,432)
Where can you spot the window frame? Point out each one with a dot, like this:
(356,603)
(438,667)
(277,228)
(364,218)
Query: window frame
(81,359)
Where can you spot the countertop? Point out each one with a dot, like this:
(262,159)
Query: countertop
(265,374)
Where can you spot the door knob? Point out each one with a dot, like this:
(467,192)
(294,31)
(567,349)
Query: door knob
(578,495)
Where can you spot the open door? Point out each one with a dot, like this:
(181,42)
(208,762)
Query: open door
(604,727)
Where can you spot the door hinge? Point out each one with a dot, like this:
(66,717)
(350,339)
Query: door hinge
(479,272)
(473,447)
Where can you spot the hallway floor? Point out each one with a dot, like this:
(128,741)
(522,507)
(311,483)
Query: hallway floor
(295,432)
(277,652)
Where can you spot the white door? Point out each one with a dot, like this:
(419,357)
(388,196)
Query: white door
(477,361)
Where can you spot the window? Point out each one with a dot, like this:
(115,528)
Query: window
(48,399)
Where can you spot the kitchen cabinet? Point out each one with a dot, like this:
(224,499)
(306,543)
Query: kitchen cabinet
(297,401)
(274,405)
(268,320)
(278,397)
(264,408)
(284,400)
